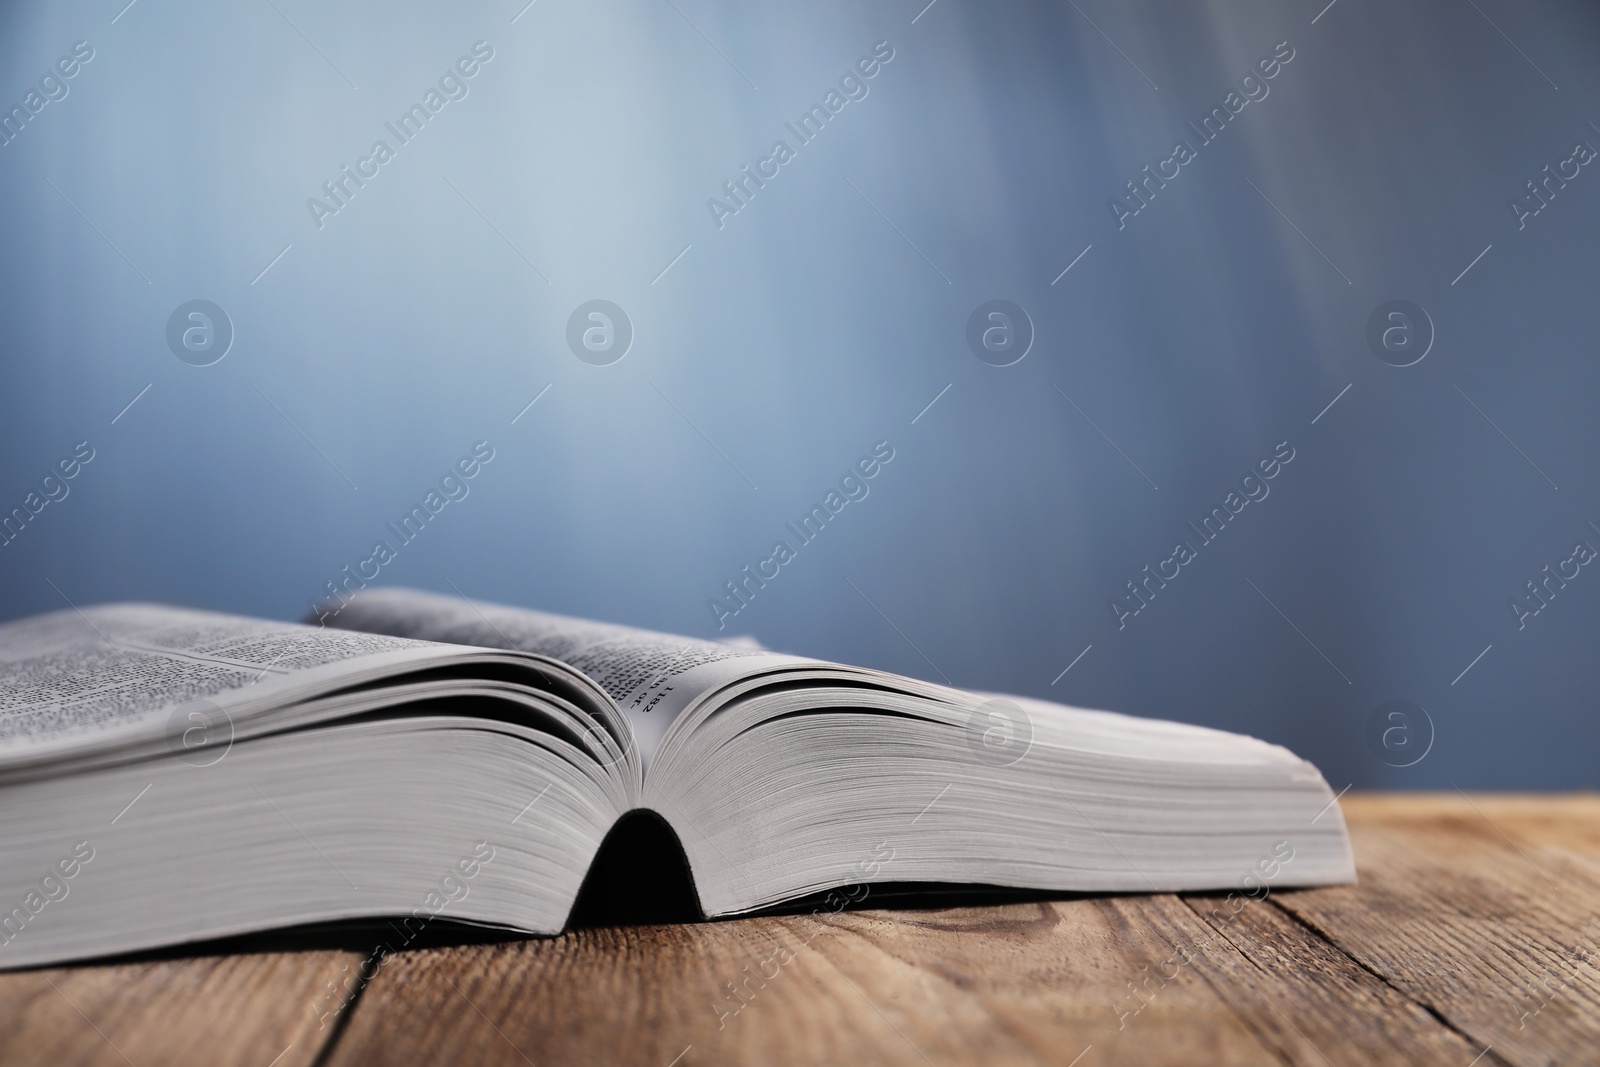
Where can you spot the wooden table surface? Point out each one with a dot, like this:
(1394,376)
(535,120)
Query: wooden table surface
(1473,938)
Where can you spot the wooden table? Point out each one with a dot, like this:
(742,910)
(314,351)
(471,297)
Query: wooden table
(1473,938)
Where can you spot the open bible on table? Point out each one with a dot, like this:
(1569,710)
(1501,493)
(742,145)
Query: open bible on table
(170,776)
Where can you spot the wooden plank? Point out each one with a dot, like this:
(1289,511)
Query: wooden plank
(1014,984)
(242,1009)
(1568,823)
(1485,909)
(1309,1001)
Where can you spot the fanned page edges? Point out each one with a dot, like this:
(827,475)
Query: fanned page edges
(411,819)
(131,681)
(650,678)
(293,775)
(762,764)
(794,789)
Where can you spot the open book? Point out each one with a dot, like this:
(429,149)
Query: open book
(169,776)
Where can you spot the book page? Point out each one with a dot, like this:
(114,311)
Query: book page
(71,675)
(652,676)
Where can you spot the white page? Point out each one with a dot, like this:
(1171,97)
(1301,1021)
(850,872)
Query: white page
(72,675)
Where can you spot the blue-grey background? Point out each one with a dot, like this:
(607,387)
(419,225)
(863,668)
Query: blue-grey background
(824,317)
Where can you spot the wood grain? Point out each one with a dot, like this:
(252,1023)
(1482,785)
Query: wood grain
(210,1010)
(1016,984)
(1310,1003)
(1486,910)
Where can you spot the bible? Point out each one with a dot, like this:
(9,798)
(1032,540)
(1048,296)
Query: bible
(171,776)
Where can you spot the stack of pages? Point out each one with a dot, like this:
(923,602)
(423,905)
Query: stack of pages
(169,776)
